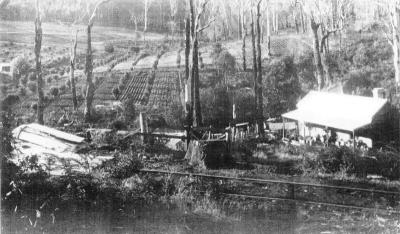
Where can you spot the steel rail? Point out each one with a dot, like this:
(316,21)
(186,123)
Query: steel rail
(284,182)
(270,181)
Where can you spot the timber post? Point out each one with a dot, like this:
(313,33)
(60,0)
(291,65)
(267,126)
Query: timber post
(142,125)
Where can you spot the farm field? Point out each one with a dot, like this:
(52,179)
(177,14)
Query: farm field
(165,90)
(59,35)
(135,86)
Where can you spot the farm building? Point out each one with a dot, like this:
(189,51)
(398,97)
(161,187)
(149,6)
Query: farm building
(5,71)
(349,118)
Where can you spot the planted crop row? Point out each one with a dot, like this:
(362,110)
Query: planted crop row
(135,87)
(165,89)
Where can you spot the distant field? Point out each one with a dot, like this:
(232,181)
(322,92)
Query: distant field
(57,34)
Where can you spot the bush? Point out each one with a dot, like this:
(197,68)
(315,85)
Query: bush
(20,66)
(32,86)
(3,90)
(54,91)
(282,88)
(109,48)
(175,115)
(68,84)
(116,92)
(32,76)
(34,106)
(245,105)
(225,62)
(49,80)
(23,80)
(216,50)
(123,166)
(118,125)
(216,107)
(388,164)
(129,110)
(62,88)
(22,91)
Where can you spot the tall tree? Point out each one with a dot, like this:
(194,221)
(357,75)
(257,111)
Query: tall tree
(38,62)
(260,122)
(147,4)
(74,44)
(173,6)
(392,22)
(244,34)
(89,62)
(320,13)
(255,66)
(196,29)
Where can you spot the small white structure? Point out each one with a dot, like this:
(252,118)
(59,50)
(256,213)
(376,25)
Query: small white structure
(5,68)
(347,114)
(53,148)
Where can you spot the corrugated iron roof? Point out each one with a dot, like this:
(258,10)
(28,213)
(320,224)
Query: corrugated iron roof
(341,111)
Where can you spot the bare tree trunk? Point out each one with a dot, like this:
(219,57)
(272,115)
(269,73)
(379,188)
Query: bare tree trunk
(197,118)
(268,32)
(244,32)
(240,32)
(296,23)
(72,70)
(303,21)
(146,8)
(253,44)
(187,48)
(395,43)
(38,61)
(317,54)
(89,74)
(260,122)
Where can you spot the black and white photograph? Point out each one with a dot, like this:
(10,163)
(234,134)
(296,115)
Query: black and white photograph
(200,116)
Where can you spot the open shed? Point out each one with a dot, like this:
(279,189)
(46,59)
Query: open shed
(356,116)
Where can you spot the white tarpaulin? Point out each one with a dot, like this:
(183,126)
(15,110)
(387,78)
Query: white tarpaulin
(340,111)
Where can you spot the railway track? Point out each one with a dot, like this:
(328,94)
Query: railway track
(291,190)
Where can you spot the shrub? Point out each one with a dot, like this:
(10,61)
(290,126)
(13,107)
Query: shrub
(68,84)
(32,86)
(225,61)
(23,80)
(175,115)
(20,66)
(216,107)
(245,105)
(135,49)
(123,166)
(118,125)
(388,164)
(216,50)
(62,88)
(283,88)
(34,106)
(9,102)
(32,76)
(3,90)
(22,91)
(129,110)
(116,92)
(109,48)
(97,81)
(49,80)
(54,91)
